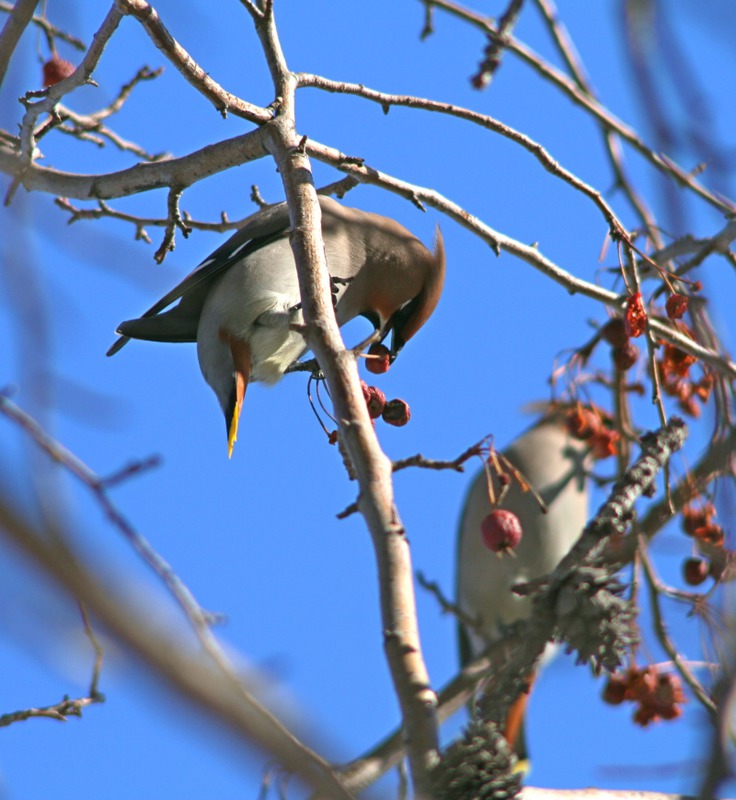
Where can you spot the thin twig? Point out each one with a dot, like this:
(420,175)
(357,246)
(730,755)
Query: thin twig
(572,59)
(446,606)
(660,627)
(174,221)
(592,106)
(197,616)
(267,726)
(483,120)
(225,102)
(20,16)
(51,31)
(61,711)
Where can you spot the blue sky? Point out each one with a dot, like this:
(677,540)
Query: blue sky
(256,537)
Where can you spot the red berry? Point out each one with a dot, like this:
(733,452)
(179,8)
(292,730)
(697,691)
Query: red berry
(501,530)
(379,359)
(614,332)
(396,412)
(582,423)
(614,692)
(695,571)
(604,443)
(635,317)
(625,356)
(376,402)
(676,306)
(56,69)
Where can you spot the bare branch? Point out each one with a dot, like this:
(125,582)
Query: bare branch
(215,685)
(544,158)
(222,100)
(182,172)
(608,120)
(221,695)
(51,96)
(398,605)
(51,31)
(173,222)
(574,64)
(21,14)
(679,662)
(60,711)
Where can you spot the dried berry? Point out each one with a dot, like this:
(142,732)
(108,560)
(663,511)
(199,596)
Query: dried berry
(604,443)
(695,571)
(396,412)
(376,401)
(663,700)
(582,423)
(696,517)
(635,316)
(677,362)
(676,306)
(625,356)
(614,692)
(658,694)
(379,359)
(501,530)
(56,69)
(711,534)
(614,332)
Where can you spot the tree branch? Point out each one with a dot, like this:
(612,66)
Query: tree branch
(604,117)
(20,17)
(373,469)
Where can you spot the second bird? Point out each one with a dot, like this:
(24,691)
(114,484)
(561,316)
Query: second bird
(555,465)
(240,303)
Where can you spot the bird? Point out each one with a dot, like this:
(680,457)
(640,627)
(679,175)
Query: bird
(555,464)
(242,304)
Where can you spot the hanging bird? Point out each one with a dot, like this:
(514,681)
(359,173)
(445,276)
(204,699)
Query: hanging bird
(240,305)
(555,465)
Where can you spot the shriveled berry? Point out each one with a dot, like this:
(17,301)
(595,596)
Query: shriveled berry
(501,530)
(614,332)
(695,571)
(625,356)
(378,360)
(676,306)
(376,402)
(677,362)
(635,317)
(582,423)
(56,69)
(614,692)
(604,443)
(396,412)
(694,517)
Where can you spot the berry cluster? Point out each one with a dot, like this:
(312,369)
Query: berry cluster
(593,425)
(675,379)
(394,412)
(698,522)
(623,352)
(658,695)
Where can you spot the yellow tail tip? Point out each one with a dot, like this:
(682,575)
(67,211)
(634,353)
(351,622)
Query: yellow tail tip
(523,766)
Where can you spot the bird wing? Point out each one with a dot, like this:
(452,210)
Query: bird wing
(261,228)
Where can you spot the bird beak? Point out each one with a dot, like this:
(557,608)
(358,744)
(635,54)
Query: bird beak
(242,362)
